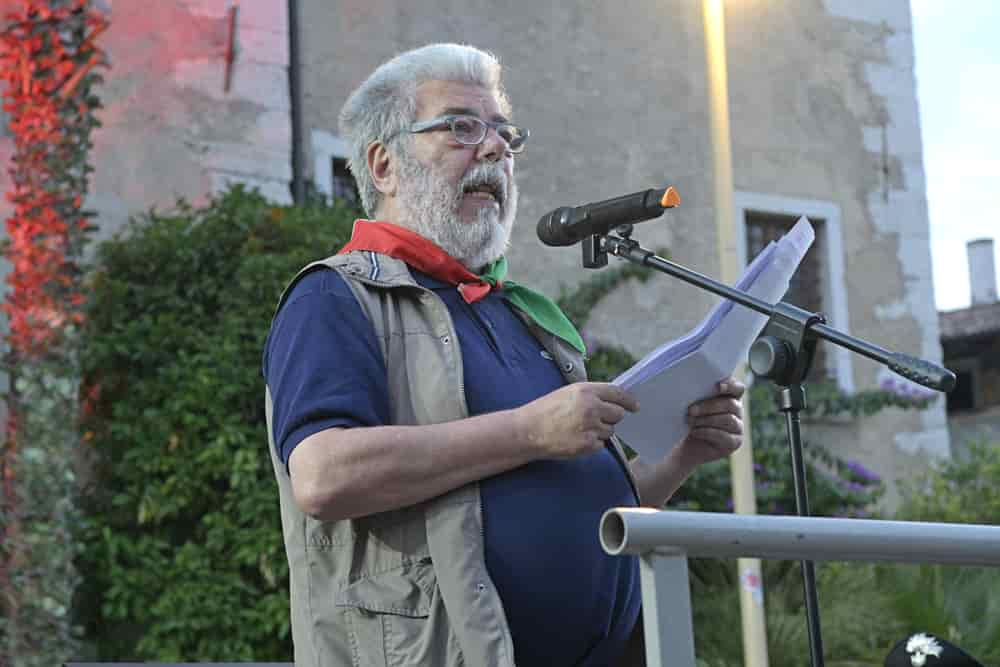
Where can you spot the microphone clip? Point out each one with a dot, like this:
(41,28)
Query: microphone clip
(595,248)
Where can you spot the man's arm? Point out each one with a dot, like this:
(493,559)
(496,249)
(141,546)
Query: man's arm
(342,473)
(716,432)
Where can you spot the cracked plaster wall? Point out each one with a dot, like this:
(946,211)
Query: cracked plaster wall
(170,129)
(832,115)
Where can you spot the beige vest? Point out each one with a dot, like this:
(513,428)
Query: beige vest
(409,586)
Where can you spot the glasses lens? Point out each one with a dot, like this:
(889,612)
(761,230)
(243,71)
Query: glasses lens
(468,130)
(514,136)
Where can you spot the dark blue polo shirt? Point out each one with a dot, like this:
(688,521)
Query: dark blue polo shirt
(567,602)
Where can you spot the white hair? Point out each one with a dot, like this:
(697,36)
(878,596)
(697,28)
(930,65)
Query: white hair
(385,104)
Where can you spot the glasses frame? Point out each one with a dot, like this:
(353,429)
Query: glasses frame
(448,122)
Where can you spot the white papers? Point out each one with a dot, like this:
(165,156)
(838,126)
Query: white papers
(687,369)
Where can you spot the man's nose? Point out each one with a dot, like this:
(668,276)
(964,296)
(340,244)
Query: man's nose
(493,147)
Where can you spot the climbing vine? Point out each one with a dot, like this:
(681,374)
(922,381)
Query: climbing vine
(49,63)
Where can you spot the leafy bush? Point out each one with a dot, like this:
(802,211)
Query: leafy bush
(957,490)
(961,604)
(183,555)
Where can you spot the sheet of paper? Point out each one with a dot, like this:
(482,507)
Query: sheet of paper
(687,369)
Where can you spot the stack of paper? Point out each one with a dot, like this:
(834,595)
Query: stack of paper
(687,369)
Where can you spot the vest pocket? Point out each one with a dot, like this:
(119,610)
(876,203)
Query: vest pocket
(405,592)
(398,618)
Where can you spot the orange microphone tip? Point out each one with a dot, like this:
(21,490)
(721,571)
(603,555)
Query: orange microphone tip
(670,198)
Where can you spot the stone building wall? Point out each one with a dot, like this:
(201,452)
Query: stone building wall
(829,114)
(170,130)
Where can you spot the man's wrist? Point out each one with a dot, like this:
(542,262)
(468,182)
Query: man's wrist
(523,431)
(681,459)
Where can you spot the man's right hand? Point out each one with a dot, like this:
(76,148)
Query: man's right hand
(576,419)
(343,473)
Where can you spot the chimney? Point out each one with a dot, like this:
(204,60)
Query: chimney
(982,271)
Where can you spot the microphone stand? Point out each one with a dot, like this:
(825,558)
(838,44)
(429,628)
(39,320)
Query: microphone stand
(783,353)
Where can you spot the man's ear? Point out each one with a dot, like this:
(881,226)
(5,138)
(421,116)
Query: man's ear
(382,166)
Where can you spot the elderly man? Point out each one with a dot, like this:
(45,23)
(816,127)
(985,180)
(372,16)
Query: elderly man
(441,460)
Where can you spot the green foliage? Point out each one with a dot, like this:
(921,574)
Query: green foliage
(962,489)
(183,549)
(579,303)
(959,604)
(857,620)
(36,627)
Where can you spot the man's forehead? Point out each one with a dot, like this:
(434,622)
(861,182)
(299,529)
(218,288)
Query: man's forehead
(435,98)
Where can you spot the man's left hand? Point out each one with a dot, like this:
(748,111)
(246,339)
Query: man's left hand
(716,425)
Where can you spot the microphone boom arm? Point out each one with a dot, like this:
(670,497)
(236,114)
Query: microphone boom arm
(918,370)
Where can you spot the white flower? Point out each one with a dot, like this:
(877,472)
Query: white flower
(921,646)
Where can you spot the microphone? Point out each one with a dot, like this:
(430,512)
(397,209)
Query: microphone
(567,225)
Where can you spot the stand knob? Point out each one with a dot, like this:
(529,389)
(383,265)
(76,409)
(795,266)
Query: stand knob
(770,357)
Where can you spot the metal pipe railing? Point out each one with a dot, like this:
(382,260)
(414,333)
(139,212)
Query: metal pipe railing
(665,539)
(636,530)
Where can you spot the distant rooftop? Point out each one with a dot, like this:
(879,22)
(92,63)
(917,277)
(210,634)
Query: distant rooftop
(979,320)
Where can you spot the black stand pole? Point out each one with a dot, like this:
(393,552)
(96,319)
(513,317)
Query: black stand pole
(793,399)
(783,353)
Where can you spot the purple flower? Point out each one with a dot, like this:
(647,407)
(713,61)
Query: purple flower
(906,390)
(862,472)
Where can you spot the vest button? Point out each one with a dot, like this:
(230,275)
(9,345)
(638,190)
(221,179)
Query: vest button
(446,339)
(568,368)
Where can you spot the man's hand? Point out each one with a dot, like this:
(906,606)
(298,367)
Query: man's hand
(716,432)
(575,419)
(716,425)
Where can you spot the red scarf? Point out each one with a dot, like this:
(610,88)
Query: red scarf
(421,254)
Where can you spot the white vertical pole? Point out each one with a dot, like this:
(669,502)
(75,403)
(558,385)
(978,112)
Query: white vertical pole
(741,463)
(666,610)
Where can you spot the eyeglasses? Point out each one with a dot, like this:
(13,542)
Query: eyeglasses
(471,131)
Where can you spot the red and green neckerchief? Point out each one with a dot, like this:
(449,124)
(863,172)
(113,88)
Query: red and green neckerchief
(427,257)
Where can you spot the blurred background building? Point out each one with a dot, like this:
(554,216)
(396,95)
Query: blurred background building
(970,338)
(824,123)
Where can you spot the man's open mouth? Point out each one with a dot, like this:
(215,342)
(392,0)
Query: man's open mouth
(487,191)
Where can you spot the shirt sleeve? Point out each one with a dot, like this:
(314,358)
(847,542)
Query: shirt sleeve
(322,363)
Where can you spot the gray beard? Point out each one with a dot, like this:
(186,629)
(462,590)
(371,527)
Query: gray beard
(431,206)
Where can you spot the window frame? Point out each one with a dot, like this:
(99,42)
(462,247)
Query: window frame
(834,288)
(325,147)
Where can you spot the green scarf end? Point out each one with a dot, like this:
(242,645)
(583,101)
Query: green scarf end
(536,305)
